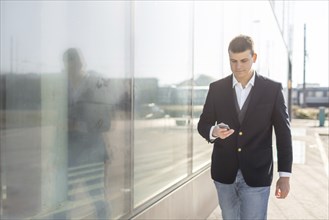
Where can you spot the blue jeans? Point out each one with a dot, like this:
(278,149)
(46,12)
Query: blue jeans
(240,201)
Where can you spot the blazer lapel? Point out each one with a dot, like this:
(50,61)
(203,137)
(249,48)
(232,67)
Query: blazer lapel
(231,101)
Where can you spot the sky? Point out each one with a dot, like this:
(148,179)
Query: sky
(315,15)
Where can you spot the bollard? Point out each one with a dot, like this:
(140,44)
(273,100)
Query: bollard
(321,116)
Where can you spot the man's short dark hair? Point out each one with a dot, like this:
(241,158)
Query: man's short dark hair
(241,43)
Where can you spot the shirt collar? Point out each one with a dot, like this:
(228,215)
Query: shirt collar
(251,81)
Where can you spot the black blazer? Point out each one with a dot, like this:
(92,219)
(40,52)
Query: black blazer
(249,148)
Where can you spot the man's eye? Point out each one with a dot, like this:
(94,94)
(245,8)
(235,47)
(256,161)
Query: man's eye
(233,61)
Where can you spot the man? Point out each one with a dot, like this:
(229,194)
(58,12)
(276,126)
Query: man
(88,120)
(238,117)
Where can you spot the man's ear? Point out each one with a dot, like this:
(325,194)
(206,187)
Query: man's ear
(254,57)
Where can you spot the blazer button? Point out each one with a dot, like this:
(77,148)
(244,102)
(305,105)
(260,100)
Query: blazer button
(240,133)
(239,149)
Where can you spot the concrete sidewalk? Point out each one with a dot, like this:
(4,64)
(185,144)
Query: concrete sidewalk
(308,198)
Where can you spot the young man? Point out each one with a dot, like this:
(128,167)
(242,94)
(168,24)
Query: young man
(238,117)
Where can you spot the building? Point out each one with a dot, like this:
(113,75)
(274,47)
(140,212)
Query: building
(55,130)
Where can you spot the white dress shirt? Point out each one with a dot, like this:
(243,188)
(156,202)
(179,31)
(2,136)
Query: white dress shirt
(241,95)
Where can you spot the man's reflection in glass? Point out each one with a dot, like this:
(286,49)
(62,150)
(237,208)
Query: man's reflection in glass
(88,119)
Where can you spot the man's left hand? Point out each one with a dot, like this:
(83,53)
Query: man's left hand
(282,187)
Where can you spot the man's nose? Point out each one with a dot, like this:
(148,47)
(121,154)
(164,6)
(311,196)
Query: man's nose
(238,65)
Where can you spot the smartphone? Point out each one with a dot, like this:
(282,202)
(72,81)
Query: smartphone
(222,125)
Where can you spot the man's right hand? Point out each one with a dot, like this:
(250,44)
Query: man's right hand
(222,133)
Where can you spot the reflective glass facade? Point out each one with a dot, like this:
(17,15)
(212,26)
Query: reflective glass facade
(100,99)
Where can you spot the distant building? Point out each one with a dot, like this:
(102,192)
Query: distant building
(315,96)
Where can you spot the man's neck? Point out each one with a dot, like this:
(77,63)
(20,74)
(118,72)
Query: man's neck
(244,80)
(76,78)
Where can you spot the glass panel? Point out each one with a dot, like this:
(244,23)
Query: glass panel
(162,95)
(207,68)
(65,109)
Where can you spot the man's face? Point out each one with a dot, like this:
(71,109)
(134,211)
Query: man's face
(72,64)
(241,63)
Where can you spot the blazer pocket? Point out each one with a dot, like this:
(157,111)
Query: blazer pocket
(261,158)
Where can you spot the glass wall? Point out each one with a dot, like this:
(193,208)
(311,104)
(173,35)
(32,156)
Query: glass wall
(162,106)
(99,100)
(65,109)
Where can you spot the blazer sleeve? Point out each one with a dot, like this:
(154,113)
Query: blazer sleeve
(280,120)
(208,116)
